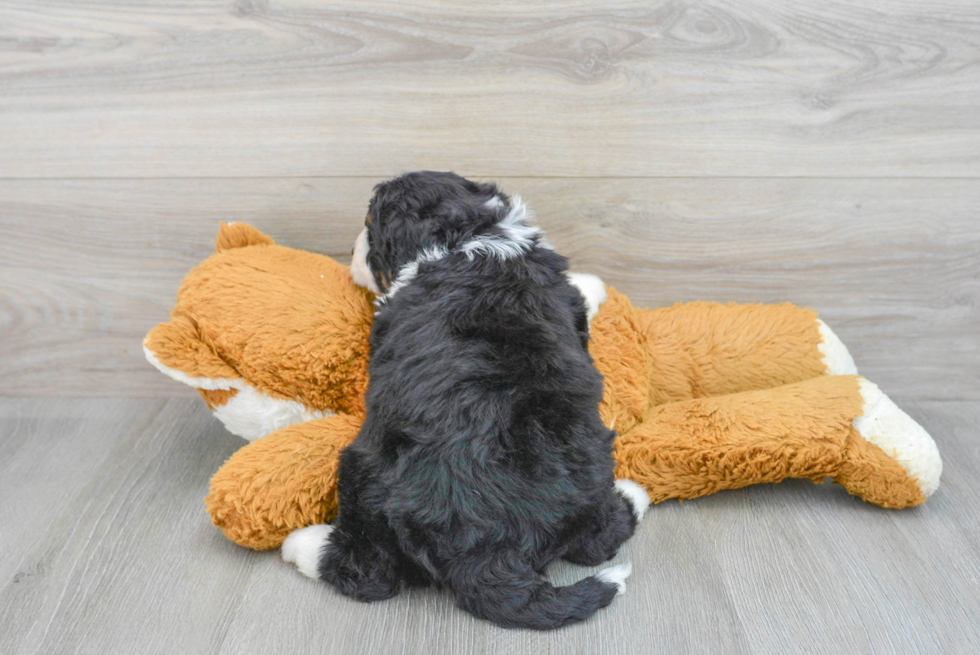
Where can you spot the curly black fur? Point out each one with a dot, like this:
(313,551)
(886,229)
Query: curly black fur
(482,457)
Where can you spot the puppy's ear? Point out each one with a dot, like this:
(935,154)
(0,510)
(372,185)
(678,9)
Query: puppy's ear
(401,226)
(381,257)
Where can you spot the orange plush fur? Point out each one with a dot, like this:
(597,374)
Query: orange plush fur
(705,397)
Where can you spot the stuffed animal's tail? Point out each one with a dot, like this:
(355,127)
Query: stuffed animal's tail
(521,599)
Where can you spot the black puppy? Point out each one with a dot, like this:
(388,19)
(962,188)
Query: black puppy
(482,457)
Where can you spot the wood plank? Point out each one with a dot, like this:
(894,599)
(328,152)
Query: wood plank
(251,88)
(89,266)
(849,577)
(122,537)
(48,450)
(104,547)
(671,555)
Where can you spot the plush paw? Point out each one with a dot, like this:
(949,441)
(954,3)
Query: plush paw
(616,575)
(636,497)
(885,425)
(304,548)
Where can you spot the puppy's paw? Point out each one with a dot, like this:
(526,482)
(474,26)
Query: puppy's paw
(635,496)
(616,575)
(304,548)
(593,290)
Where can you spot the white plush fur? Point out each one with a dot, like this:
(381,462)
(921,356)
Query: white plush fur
(592,289)
(208,384)
(635,495)
(834,354)
(359,269)
(252,414)
(303,548)
(616,575)
(896,433)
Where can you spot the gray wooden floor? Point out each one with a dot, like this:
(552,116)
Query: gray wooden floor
(107,549)
(824,153)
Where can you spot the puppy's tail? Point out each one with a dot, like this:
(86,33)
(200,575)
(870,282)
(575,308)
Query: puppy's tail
(521,599)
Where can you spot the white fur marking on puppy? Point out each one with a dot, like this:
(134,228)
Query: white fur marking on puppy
(359,268)
(896,433)
(834,354)
(252,414)
(516,237)
(592,289)
(616,575)
(408,272)
(304,547)
(494,202)
(635,495)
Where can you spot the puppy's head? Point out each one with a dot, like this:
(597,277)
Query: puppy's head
(419,212)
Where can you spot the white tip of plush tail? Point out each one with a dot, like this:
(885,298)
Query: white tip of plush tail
(304,547)
(616,575)
(833,353)
(885,425)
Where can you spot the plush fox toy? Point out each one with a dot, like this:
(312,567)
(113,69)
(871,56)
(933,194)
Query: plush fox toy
(705,397)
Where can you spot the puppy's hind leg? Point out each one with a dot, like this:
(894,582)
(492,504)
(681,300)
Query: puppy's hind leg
(620,510)
(365,569)
(358,554)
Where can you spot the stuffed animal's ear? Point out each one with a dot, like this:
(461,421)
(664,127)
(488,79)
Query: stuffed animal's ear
(176,349)
(239,235)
